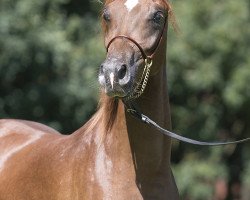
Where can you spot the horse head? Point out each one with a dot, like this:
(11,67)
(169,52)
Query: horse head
(134,31)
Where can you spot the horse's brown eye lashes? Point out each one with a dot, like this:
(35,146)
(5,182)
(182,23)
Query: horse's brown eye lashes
(106,16)
(158,17)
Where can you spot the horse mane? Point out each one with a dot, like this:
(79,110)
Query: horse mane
(105,115)
(108,107)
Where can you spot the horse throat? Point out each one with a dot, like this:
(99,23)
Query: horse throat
(151,150)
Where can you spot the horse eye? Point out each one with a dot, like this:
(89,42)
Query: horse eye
(158,17)
(106,16)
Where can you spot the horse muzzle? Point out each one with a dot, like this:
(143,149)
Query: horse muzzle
(115,77)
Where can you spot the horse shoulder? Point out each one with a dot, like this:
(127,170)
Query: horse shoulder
(17,135)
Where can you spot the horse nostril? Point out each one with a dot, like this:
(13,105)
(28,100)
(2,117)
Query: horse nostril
(101,70)
(122,71)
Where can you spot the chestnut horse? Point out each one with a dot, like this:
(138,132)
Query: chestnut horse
(113,156)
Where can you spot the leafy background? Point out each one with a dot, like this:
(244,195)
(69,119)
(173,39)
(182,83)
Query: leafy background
(50,51)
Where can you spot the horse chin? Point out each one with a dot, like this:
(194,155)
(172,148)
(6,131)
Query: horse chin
(115,92)
(121,92)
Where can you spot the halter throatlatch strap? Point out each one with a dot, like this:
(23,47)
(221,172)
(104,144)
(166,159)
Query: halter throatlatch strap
(145,119)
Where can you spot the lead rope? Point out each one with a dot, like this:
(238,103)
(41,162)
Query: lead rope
(145,119)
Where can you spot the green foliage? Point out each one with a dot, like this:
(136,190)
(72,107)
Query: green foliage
(48,63)
(209,74)
(209,68)
(246,180)
(209,61)
(246,177)
(196,179)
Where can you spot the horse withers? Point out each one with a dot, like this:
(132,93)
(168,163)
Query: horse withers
(113,156)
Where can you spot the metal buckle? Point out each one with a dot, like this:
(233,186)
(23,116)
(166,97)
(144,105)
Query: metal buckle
(148,62)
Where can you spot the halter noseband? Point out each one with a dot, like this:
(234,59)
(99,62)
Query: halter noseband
(148,60)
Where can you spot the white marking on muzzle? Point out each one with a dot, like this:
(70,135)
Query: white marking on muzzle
(130,4)
(111,76)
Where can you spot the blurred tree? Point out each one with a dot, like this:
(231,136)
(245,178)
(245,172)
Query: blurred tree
(209,74)
(48,63)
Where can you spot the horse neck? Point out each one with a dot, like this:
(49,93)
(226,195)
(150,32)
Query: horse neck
(151,149)
(131,147)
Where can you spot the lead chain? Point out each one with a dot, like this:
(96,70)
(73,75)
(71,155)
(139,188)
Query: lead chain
(143,81)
